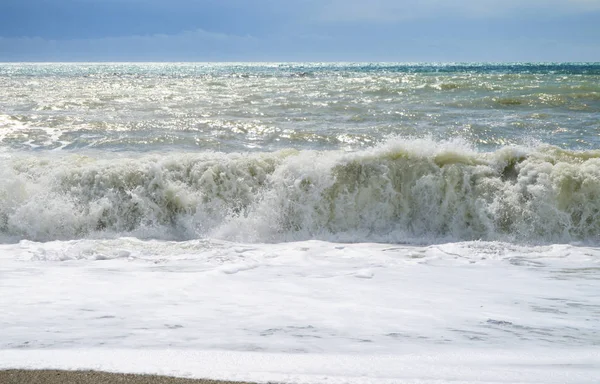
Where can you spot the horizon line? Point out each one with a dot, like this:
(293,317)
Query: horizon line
(347,62)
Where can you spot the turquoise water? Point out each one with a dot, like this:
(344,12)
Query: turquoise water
(266,107)
(278,152)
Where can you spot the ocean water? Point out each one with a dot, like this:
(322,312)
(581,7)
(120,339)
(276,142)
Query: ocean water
(438,216)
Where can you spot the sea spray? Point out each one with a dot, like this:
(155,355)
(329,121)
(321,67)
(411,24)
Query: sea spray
(401,190)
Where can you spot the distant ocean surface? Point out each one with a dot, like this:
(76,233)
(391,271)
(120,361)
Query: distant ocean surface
(453,205)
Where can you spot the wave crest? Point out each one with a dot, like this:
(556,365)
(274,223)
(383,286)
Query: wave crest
(400,191)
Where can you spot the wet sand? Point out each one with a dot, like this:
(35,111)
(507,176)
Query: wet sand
(20,376)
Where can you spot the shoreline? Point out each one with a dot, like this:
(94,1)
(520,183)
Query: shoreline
(56,376)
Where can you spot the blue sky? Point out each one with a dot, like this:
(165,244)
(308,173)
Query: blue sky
(300,30)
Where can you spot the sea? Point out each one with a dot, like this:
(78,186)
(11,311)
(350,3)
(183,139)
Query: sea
(302,222)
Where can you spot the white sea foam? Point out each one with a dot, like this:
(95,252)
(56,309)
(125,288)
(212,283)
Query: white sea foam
(301,312)
(415,367)
(402,191)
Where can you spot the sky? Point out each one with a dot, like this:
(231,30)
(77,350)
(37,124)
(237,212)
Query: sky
(300,30)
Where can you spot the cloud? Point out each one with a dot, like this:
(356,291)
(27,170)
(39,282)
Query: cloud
(402,10)
(323,30)
(200,45)
(190,45)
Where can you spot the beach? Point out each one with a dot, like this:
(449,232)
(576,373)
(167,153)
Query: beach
(93,377)
(300,223)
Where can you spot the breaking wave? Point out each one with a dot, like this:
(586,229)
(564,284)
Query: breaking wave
(400,191)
